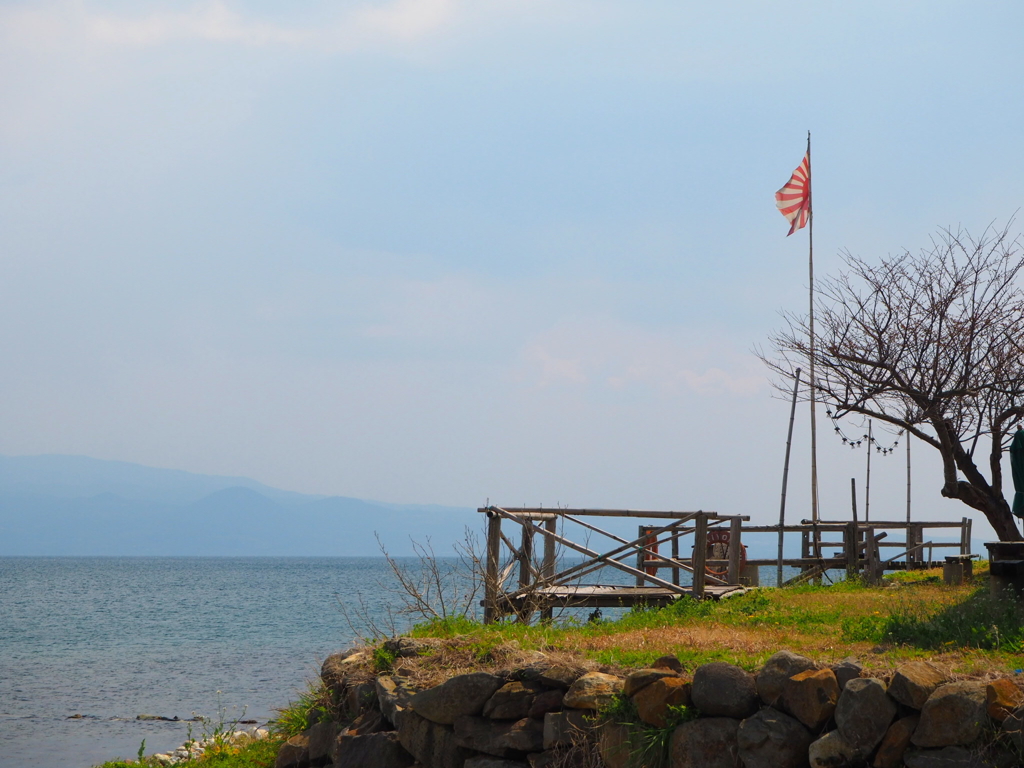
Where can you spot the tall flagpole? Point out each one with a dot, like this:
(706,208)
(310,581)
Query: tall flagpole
(811,383)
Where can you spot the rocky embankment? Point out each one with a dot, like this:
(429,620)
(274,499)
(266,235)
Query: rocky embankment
(545,712)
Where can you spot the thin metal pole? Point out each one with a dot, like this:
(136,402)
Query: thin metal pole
(867,481)
(785,473)
(814,424)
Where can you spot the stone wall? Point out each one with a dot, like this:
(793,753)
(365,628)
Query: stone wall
(792,713)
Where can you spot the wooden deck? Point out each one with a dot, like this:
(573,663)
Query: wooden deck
(617,596)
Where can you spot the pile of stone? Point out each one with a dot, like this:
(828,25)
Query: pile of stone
(194,748)
(793,713)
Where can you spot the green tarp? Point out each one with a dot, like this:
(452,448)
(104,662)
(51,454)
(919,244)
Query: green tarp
(1017,468)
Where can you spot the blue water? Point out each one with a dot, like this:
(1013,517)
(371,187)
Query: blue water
(225,638)
(112,638)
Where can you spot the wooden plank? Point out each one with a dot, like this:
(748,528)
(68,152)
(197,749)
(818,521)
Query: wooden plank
(612,513)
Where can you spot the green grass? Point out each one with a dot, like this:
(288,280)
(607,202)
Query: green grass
(912,614)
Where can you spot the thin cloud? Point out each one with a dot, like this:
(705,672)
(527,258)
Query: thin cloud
(366,26)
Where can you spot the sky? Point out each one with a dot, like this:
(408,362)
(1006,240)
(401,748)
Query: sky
(440,251)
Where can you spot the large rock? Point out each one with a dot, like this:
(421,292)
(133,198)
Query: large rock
(846,670)
(432,744)
(501,738)
(954,715)
(641,678)
(710,742)
(811,697)
(512,701)
(339,665)
(593,690)
(776,672)
(1013,727)
(895,743)
(320,741)
(548,701)
(772,739)
(392,695)
(949,757)
(615,745)
(653,701)
(552,675)
(915,681)
(409,647)
(1002,697)
(294,753)
(724,690)
(864,713)
(375,750)
(668,662)
(461,695)
(360,694)
(564,729)
(834,751)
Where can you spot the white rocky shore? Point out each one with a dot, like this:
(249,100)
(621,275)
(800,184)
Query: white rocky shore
(193,748)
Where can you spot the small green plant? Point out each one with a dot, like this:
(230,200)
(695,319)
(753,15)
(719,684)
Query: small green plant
(142,750)
(383,659)
(295,718)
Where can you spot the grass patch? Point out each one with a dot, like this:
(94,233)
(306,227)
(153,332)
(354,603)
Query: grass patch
(911,614)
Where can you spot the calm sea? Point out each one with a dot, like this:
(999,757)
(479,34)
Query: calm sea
(108,639)
(113,638)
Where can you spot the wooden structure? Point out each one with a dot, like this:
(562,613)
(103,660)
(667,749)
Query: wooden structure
(685,554)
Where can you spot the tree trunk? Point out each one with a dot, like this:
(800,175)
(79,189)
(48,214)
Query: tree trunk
(995,508)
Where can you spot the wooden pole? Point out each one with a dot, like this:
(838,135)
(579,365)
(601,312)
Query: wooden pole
(853,497)
(548,568)
(700,552)
(735,547)
(491,586)
(675,557)
(867,481)
(785,476)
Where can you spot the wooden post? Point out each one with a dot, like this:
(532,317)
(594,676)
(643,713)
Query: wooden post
(525,575)
(700,552)
(785,478)
(850,545)
(641,532)
(965,542)
(491,586)
(548,568)
(871,559)
(735,547)
(675,557)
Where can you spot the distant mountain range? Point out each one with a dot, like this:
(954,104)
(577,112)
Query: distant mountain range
(75,505)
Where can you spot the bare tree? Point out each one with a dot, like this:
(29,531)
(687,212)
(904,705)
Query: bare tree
(932,344)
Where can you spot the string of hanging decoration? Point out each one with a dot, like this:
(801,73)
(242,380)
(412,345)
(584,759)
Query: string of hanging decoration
(859,441)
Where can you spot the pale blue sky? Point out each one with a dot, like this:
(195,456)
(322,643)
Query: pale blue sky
(439,251)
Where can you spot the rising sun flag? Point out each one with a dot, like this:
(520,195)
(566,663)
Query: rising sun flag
(794,199)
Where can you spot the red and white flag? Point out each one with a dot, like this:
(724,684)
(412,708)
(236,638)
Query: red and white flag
(794,199)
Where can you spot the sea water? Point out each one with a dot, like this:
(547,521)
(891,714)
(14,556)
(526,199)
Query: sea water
(88,644)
